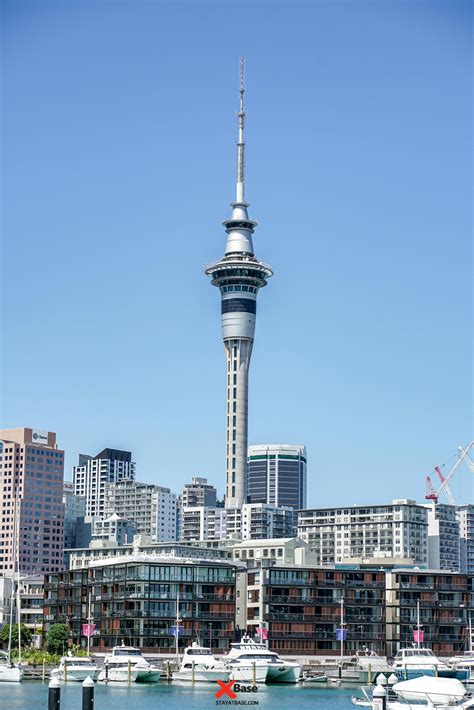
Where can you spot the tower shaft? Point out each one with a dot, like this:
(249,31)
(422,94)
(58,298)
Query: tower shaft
(238,352)
(239,276)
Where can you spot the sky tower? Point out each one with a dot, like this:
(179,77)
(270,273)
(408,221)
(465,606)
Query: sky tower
(239,276)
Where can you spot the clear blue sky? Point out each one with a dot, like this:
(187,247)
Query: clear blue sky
(118,165)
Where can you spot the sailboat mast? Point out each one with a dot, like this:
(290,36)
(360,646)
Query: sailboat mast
(89,620)
(418,623)
(176,631)
(13,590)
(17,567)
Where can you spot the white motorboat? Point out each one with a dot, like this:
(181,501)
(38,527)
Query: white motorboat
(199,666)
(9,672)
(278,670)
(464,662)
(413,662)
(359,669)
(122,655)
(422,692)
(75,668)
(437,691)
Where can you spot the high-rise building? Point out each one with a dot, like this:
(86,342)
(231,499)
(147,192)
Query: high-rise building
(261,521)
(93,473)
(114,529)
(239,276)
(203,523)
(277,475)
(465,515)
(74,512)
(443,537)
(31,494)
(197,493)
(399,530)
(152,508)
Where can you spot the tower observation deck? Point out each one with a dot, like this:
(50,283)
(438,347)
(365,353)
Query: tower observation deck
(239,276)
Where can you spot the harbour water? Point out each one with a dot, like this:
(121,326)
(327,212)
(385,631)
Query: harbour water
(33,695)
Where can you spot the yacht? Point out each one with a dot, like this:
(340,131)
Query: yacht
(122,655)
(359,669)
(9,673)
(422,692)
(199,666)
(278,670)
(75,668)
(413,662)
(464,662)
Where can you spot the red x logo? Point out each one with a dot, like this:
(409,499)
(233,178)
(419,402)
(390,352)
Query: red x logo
(226,689)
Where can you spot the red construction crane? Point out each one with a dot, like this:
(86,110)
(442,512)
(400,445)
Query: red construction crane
(431,493)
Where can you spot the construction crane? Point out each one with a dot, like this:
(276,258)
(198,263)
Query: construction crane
(431,493)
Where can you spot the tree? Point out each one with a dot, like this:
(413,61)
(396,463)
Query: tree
(25,635)
(56,638)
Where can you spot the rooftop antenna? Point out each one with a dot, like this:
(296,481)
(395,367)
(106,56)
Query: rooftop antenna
(240,196)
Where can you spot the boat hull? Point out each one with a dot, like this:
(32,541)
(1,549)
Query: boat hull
(249,673)
(283,673)
(118,675)
(10,674)
(148,676)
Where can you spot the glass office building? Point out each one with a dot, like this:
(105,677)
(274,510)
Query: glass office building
(277,475)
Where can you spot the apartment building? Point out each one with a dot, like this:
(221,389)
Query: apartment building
(136,599)
(261,521)
(93,473)
(301,607)
(152,508)
(443,537)
(203,523)
(465,514)
(399,529)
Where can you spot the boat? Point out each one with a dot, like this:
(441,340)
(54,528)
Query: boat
(278,670)
(414,662)
(198,665)
(122,655)
(359,669)
(465,661)
(9,672)
(309,677)
(438,691)
(421,692)
(75,668)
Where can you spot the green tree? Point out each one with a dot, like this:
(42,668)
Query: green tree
(56,638)
(25,635)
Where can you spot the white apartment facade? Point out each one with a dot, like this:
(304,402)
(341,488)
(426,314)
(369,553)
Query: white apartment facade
(152,508)
(398,530)
(465,515)
(203,523)
(443,537)
(264,521)
(93,473)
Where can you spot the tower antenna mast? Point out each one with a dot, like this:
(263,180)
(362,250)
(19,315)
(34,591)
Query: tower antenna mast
(240,196)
